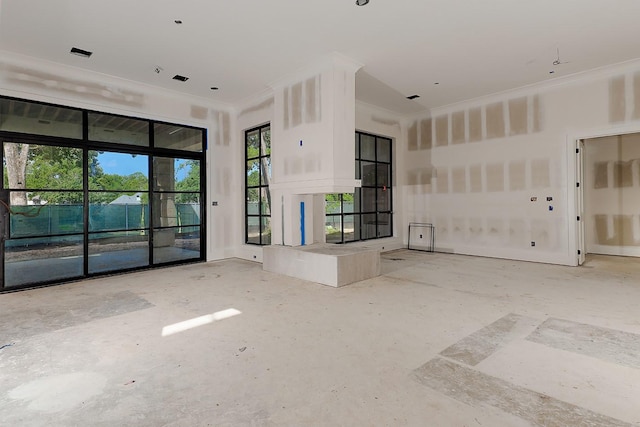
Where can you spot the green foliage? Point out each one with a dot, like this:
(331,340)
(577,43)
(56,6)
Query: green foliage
(190,183)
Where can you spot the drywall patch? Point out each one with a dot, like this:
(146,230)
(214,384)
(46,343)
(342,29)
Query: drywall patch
(425,176)
(457,127)
(89,90)
(226,129)
(540,170)
(442,130)
(495,177)
(517,175)
(495,120)
(310,106)
(615,230)
(459,179)
(386,122)
(636,96)
(623,174)
(537,114)
(296,105)
(601,175)
(518,116)
(285,108)
(412,177)
(199,113)
(475,124)
(412,137)
(426,134)
(475,178)
(617,100)
(265,105)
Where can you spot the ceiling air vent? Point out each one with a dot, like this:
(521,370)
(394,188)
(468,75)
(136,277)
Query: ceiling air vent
(180,78)
(81,52)
(413,96)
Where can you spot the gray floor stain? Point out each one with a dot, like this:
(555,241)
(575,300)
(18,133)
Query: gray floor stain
(611,345)
(49,318)
(481,344)
(477,389)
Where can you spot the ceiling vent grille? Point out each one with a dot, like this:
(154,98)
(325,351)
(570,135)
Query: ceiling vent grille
(80,52)
(180,78)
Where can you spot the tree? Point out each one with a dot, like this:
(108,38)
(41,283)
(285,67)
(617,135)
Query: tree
(16,156)
(190,183)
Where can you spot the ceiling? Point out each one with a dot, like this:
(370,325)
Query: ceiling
(446,51)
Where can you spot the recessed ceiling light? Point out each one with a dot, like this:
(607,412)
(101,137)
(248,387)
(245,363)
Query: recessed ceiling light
(178,21)
(362,2)
(551,72)
(180,78)
(80,52)
(214,88)
(436,83)
(413,96)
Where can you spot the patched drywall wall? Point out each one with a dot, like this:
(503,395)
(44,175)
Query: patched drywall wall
(612,194)
(496,181)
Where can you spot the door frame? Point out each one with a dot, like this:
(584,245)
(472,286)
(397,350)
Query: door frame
(575,184)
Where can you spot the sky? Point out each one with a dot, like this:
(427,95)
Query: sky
(126,164)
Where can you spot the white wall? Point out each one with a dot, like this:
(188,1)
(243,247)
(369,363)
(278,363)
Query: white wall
(34,79)
(475,177)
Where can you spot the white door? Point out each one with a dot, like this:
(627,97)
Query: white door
(580,200)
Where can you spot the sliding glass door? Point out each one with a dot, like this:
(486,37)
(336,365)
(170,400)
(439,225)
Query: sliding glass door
(87,193)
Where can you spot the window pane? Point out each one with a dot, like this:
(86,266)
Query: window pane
(383,178)
(266,230)
(176,244)
(165,173)
(165,211)
(368,174)
(265,162)
(384,202)
(351,228)
(367,147)
(118,171)
(357,196)
(368,200)
(333,228)
(188,213)
(253,173)
(46,219)
(348,202)
(358,170)
(265,201)
(253,144)
(368,226)
(124,130)
(187,175)
(384,225)
(123,212)
(44,167)
(117,251)
(40,119)
(253,201)
(177,137)
(384,149)
(253,230)
(42,259)
(333,204)
(266,142)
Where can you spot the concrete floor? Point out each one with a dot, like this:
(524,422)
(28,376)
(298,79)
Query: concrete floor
(437,340)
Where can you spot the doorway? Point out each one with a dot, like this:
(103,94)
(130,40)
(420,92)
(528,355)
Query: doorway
(610,195)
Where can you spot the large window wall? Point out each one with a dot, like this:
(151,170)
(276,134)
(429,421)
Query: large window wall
(367,213)
(257,177)
(86,193)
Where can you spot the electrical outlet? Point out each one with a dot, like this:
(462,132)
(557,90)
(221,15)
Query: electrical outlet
(533,244)
(421,236)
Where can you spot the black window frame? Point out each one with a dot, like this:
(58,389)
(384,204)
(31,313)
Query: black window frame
(262,186)
(367,207)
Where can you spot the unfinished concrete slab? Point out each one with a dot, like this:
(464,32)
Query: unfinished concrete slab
(228,344)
